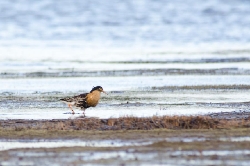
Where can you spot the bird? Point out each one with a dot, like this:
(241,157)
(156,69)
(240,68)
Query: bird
(85,100)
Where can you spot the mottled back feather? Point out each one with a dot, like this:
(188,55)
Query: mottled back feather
(82,101)
(79,100)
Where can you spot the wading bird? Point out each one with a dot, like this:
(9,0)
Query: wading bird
(84,101)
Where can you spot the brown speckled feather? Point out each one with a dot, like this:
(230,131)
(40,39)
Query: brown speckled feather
(82,101)
(77,101)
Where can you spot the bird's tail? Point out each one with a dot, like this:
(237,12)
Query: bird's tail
(63,99)
(66,100)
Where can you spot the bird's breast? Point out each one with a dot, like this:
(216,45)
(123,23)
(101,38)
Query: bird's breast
(93,99)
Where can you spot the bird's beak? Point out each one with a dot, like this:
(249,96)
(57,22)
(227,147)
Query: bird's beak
(104,92)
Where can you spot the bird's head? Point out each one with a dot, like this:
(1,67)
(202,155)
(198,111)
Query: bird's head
(98,88)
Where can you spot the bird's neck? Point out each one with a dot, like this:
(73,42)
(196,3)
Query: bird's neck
(96,94)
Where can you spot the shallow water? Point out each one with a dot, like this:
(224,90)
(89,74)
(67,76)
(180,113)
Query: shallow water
(128,23)
(19,144)
(6,144)
(83,84)
(106,152)
(35,98)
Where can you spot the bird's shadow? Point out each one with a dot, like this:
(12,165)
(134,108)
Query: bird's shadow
(75,116)
(71,113)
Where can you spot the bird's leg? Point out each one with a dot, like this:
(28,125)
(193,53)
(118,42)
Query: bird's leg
(71,109)
(84,113)
(83,109)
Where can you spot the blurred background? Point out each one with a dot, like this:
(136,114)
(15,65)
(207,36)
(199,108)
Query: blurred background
(76,30)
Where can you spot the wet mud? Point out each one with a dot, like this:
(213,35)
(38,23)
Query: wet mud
(161,147)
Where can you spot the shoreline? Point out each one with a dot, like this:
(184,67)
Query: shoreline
(223,120)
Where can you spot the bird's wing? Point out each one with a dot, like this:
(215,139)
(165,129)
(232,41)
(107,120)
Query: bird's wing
(81,101)
(75,98)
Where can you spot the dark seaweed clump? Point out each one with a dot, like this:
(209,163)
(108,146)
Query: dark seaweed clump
(128,123)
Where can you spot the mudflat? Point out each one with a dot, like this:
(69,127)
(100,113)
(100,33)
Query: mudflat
(125,147)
